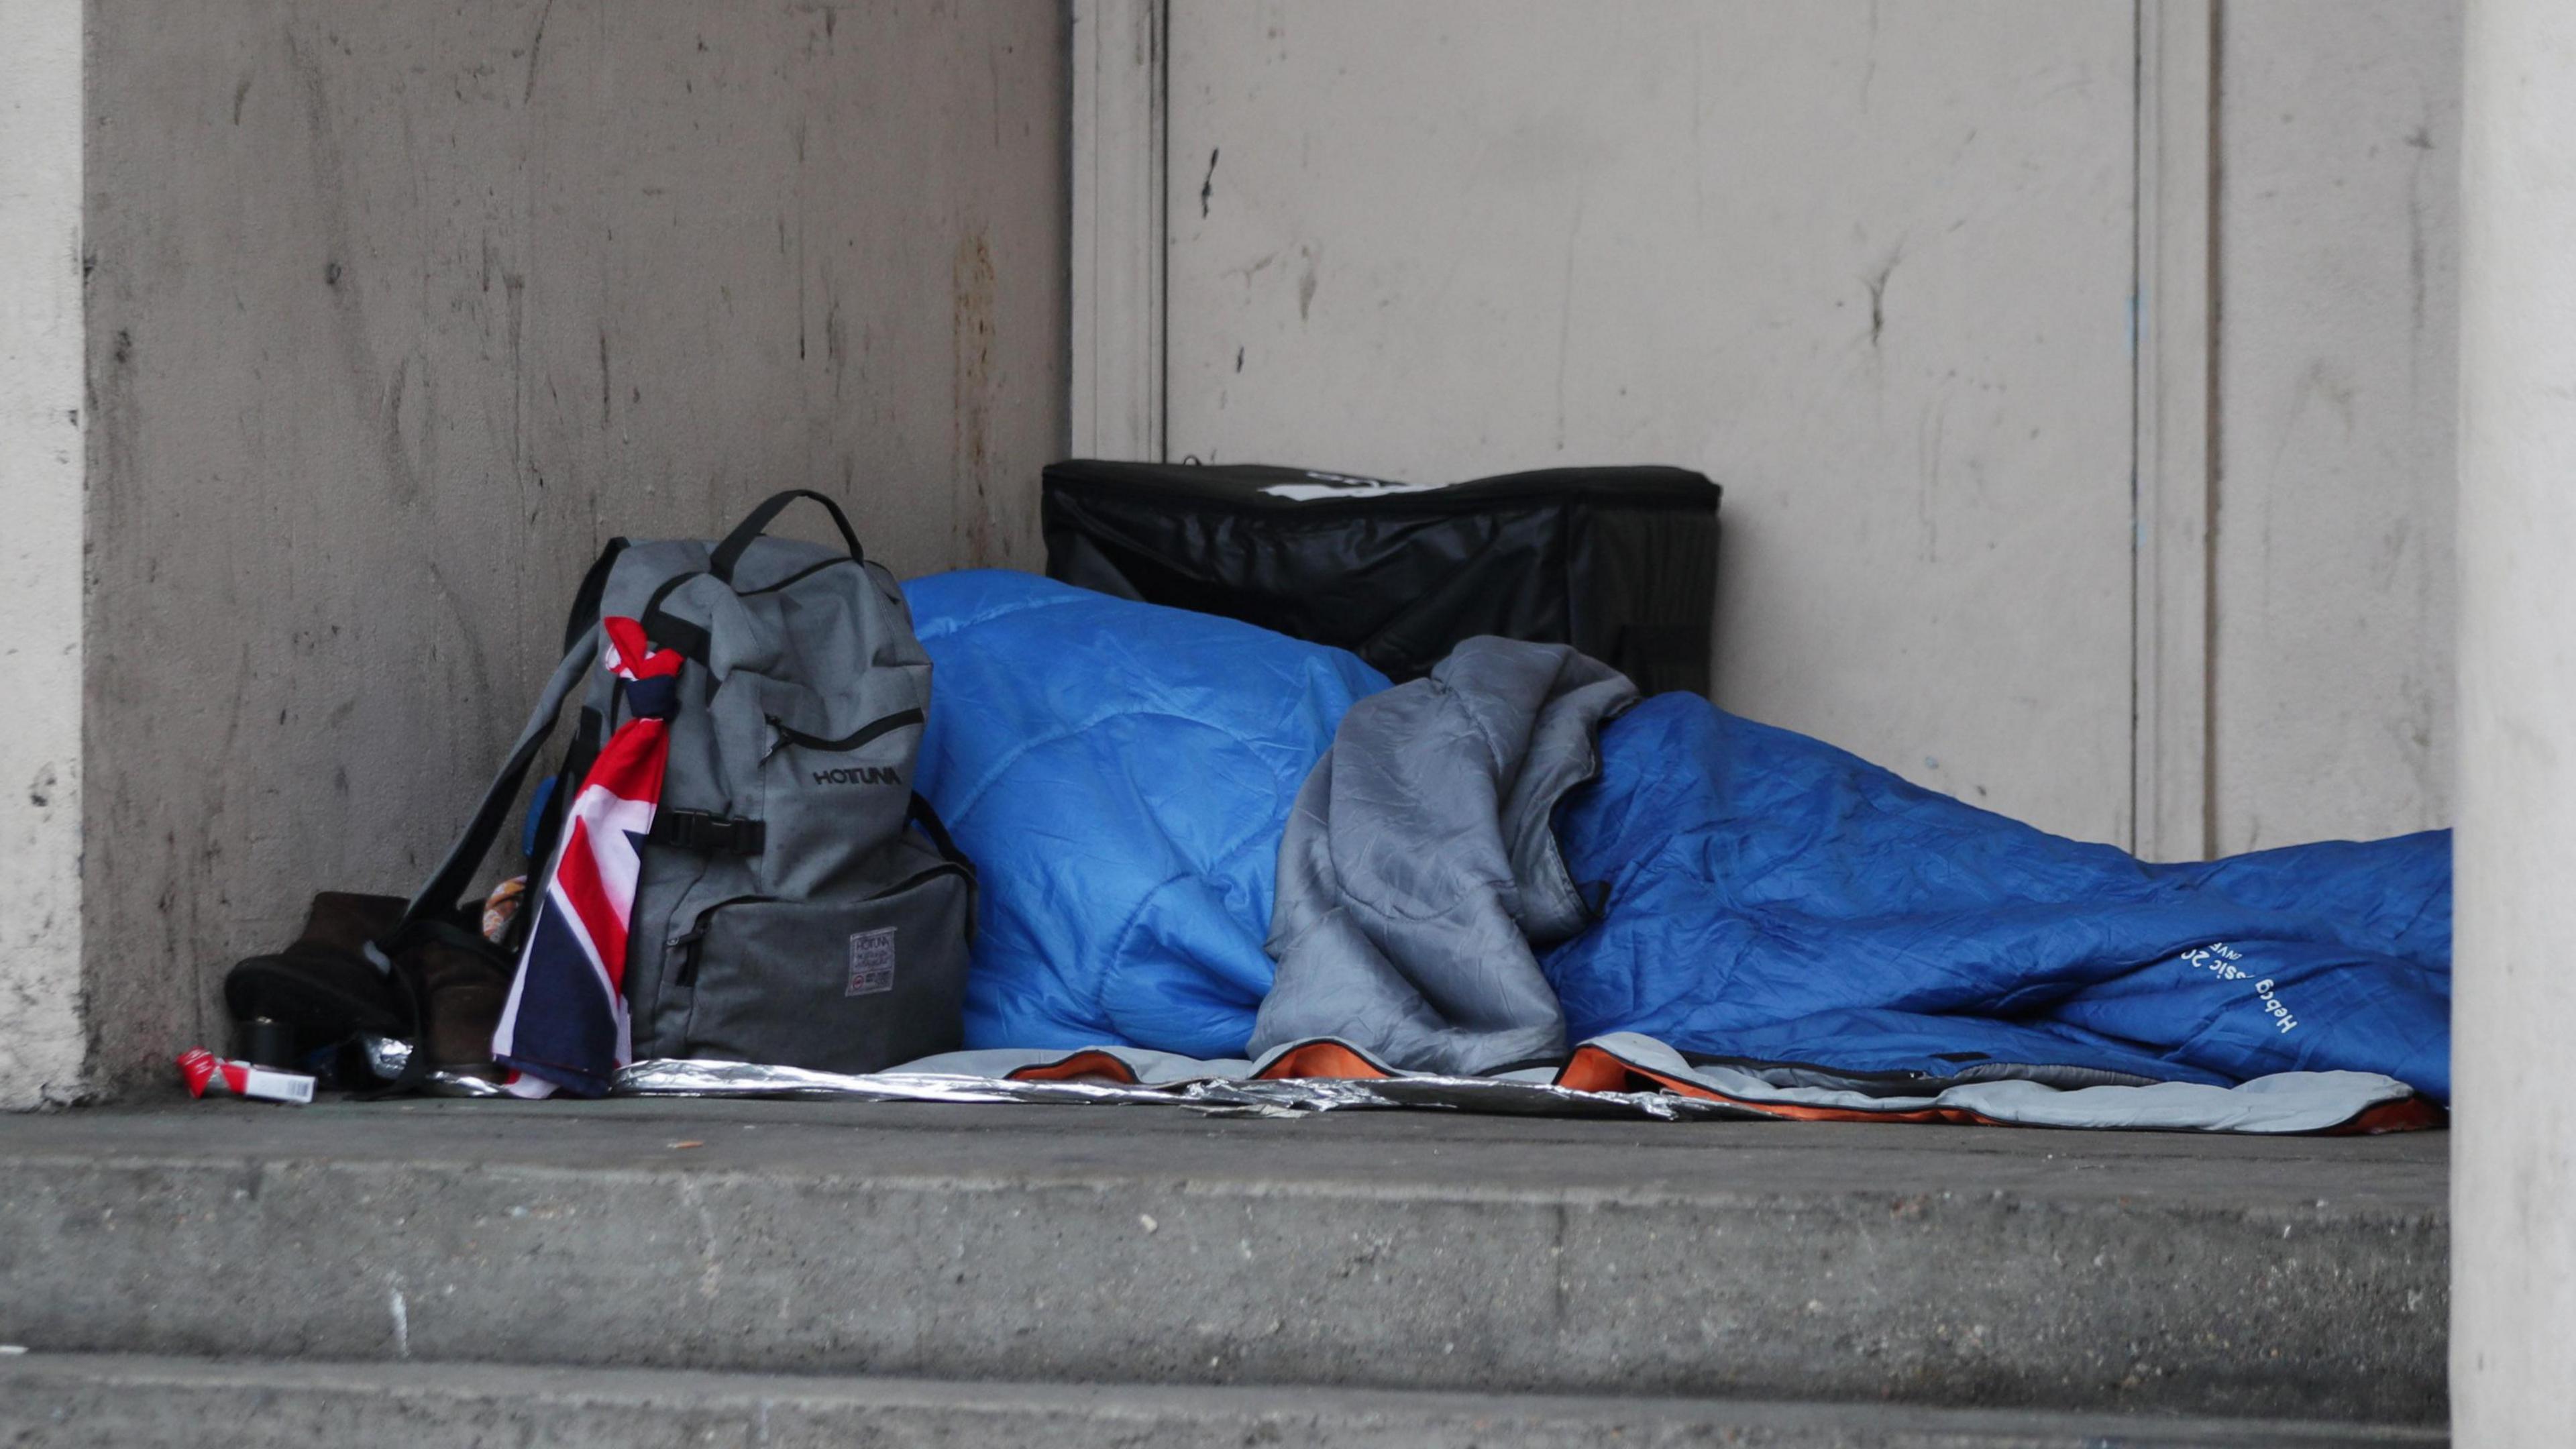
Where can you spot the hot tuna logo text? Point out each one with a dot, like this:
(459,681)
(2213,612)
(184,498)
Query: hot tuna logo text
(859,775)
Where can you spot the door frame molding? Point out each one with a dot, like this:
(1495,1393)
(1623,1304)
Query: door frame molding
(2175,455)
(1118,240)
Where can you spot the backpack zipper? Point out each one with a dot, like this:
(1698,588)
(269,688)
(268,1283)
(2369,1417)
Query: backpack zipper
(851,741)
(689,942)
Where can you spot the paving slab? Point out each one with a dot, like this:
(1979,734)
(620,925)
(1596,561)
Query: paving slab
(118,1402)
(2286,1278)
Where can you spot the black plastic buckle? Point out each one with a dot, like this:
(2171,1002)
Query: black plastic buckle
(696,830)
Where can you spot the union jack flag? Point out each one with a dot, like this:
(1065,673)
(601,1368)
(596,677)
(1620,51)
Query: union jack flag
(565,1025)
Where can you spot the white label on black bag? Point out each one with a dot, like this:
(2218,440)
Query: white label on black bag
(1342,485)
(871,962)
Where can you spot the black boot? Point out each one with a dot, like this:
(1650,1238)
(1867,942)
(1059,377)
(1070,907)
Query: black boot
(322,989)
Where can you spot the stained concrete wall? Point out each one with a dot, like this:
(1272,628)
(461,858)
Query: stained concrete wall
(1868,265)
(2338,335)
(40,550)
(1874,265)
(396,312)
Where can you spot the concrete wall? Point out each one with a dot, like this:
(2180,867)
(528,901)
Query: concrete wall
(2513,1151)
(397,311)
(1873,264)
(40,550)
(2338,244)
(1867,265)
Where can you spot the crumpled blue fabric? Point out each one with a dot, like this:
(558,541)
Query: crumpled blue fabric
(1122,774)
(1772,897)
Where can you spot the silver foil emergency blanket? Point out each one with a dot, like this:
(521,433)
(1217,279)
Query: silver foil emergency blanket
(1281,1097)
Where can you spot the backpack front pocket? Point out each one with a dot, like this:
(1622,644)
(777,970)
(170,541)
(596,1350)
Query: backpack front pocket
(833,986)
(823,795)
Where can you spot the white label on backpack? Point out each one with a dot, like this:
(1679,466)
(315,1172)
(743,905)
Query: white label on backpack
(871,962)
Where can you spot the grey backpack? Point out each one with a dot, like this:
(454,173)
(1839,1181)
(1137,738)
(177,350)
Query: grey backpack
(797,904)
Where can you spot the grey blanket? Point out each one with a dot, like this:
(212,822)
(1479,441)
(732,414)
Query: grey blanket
(1420,872)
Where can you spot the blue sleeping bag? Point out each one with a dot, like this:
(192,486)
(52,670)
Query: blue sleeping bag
(1122,774)
(1774,898)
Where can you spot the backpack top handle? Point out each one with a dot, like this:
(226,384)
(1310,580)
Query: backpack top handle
(729,553)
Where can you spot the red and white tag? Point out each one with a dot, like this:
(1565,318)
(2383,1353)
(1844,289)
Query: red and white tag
(203,1071)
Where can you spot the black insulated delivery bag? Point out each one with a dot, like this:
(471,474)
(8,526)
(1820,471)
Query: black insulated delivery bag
(1621,563)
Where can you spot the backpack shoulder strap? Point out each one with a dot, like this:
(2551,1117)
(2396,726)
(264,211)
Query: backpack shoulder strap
(594,586)
(428,913)
(456,872)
